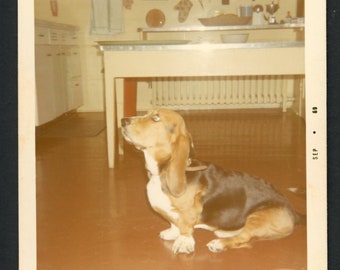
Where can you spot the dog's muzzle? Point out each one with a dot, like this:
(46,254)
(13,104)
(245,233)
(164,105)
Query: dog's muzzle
(125,123)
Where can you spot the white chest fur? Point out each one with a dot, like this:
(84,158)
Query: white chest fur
(157,198)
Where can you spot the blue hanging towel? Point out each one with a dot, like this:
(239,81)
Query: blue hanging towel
(106,17)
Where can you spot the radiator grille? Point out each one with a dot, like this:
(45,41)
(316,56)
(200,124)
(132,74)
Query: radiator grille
(223,91)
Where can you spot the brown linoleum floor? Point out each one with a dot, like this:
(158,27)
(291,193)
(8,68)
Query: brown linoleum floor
(90,217)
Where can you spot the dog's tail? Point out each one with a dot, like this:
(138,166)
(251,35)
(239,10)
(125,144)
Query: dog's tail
(300,219)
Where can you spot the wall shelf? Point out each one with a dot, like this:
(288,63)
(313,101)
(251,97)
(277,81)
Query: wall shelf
(145,31)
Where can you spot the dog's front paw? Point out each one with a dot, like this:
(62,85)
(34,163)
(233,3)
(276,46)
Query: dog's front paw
(170,234)
(216,245)
(184,244)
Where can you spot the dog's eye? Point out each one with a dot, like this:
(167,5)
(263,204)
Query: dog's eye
(155,118)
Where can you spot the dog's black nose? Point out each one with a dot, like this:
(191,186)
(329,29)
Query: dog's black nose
(125,122)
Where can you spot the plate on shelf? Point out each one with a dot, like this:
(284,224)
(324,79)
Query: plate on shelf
(155,18)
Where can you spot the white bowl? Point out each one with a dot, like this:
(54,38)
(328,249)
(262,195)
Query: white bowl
(234,38)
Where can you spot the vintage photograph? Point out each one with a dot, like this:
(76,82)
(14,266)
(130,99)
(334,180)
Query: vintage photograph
(176,134)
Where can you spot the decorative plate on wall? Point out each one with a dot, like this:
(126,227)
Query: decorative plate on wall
(155,18)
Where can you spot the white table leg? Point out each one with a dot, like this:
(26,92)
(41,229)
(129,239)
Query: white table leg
(119,90)
(110,103)
(284,95)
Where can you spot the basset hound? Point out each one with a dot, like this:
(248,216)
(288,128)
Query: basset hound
(237,207)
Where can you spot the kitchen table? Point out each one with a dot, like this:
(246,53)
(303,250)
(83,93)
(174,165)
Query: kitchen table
(179,58)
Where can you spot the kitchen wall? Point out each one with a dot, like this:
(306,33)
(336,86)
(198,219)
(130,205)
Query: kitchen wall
(77,12)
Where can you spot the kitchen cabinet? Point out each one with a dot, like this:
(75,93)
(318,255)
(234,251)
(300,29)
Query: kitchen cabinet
(58,72)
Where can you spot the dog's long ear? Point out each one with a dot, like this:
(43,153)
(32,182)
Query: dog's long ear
(191,146)
(175,174)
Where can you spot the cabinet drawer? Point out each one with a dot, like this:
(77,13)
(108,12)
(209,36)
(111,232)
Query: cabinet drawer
(71,38)
(58,37)
(41,35)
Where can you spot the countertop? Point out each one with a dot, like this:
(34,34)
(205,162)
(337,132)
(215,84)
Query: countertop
(160,45)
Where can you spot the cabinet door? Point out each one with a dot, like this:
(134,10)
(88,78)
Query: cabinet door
(60,89)
(73,71)
(45,83)
(73,62)
(74,94)
(50,83)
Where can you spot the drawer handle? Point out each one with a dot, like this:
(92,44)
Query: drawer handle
(41,35)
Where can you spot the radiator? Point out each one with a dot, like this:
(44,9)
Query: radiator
(222,92)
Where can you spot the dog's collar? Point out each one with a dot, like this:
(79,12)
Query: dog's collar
(190,168)
(196,168)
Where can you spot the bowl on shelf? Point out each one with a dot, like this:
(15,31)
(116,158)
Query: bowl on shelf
(225,20)
(234,38)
